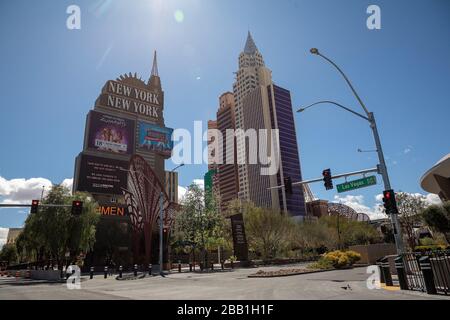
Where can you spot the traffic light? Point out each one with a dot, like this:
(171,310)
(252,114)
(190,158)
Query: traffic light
(77,207)
(34,206)
(288,185)
(389,202)
(328,182)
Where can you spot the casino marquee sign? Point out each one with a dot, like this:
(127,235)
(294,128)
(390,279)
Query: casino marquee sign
(134,99)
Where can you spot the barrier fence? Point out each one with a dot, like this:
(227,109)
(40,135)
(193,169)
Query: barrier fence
(427,272)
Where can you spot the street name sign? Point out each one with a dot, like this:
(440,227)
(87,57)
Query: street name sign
(356,184)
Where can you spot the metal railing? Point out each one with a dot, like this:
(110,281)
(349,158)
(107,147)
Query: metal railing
(440,265)
(414,276)
(428,272)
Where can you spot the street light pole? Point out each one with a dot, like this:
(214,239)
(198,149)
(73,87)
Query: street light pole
(387,183)
(161,222)
(161,236)
(382,164)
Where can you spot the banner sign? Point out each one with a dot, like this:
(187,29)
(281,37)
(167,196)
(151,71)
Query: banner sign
(130,99)
(110,133)
(240,245)
(112,210)
(155,138)
(102,175)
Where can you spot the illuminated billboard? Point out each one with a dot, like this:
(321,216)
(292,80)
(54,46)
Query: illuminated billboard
(109,133)
(102,175)
(155,138)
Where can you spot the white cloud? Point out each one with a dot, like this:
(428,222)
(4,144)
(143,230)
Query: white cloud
(200,183)
(181,193)
(67,183)
(407,150)
(357,203)
(182,190)
(22,190)
(432,198)
(3,236)
(376,211)
(429,198)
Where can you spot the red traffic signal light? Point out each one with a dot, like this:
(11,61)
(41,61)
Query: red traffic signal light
(389,202)
(328,182)
(34,206)
(77,207)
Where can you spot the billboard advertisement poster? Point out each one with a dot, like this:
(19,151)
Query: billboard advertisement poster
(102,175)
(155,138)
(110,133)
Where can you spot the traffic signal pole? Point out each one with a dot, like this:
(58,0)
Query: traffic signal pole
(161,235)
(386,182)
(342,175)
(382,164)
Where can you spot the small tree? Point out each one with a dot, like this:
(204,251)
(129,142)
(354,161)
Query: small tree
(8,254)
(410,208)
(53,231)
(200,223)
(438,218)
(268,231)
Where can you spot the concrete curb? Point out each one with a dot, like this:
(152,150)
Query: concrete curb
(287,275)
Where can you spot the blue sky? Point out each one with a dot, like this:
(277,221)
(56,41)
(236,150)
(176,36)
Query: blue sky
(51,77)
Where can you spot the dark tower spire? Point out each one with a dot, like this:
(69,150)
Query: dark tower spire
(155,66)
(250,46)
(154,80)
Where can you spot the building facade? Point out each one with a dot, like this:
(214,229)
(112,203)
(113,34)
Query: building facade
(126,123)
(282,118)
(227,171)
(262,105)
(251,74)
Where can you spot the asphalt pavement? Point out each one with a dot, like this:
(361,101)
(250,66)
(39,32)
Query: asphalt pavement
(226,285)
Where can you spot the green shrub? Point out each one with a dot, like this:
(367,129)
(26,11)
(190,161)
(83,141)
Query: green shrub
(322,264)
(340,259)
(435,247)
(353,256)
(337,258)
(427,241)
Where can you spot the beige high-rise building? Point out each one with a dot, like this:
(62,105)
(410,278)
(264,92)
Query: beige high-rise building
(228,170)
(251,74)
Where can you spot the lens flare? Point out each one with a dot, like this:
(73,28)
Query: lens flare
(179,16)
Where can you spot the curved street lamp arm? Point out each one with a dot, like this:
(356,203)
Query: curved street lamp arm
(348,82)
(336,104)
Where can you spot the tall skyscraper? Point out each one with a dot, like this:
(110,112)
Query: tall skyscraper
(282,118)
(261,105)
(227,172)
(251,74)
